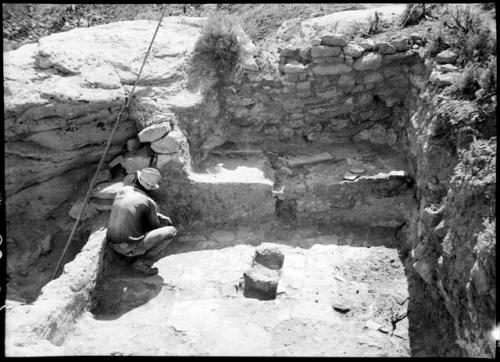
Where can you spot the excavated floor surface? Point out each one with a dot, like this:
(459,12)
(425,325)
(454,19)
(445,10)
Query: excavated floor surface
(337,296)
(342,290)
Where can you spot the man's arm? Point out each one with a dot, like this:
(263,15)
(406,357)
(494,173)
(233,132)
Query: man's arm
(164,218)
(153,220)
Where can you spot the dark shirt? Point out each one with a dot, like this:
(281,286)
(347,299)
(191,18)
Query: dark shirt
(133,214)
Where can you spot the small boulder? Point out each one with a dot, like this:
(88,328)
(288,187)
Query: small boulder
(367,44)
(369,61)
(171,143)
(353,50)
(385,48)
(325,51)
(401,44)
(154,132)
(446,57)
(337,40)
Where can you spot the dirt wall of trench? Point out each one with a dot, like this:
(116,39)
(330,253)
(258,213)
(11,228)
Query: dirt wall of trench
(450,251)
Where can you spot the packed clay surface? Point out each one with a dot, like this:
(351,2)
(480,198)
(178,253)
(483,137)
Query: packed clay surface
(332,300)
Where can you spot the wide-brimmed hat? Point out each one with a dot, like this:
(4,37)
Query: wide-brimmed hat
(149,177)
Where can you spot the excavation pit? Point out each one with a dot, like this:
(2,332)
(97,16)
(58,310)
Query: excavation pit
(342,153)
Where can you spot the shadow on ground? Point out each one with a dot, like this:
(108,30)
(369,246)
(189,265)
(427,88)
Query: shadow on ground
(120,288)
(430,330)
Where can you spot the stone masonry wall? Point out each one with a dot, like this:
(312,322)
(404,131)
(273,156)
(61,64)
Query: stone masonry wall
(330,90)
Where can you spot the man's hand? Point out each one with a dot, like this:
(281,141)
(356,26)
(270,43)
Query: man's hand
(165,219)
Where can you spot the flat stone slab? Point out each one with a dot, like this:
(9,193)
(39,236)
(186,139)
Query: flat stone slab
(154,132)
(309,160)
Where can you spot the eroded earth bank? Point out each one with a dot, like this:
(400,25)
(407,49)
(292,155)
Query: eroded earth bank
(330,199)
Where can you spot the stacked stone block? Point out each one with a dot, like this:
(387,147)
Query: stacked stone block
(331,86)
(261,280)
(155,145)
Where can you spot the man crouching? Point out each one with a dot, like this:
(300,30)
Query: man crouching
(136,229)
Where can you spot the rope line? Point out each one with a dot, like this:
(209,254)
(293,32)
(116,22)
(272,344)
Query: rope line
(118,118)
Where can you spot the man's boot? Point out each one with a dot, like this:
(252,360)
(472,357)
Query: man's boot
(144,268)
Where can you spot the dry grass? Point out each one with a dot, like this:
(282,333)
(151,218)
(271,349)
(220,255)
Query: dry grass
(218,43)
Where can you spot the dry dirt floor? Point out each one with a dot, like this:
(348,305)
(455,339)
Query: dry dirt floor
(337,296)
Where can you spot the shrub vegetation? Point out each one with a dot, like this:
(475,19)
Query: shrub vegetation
(218,43)
(470,35)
